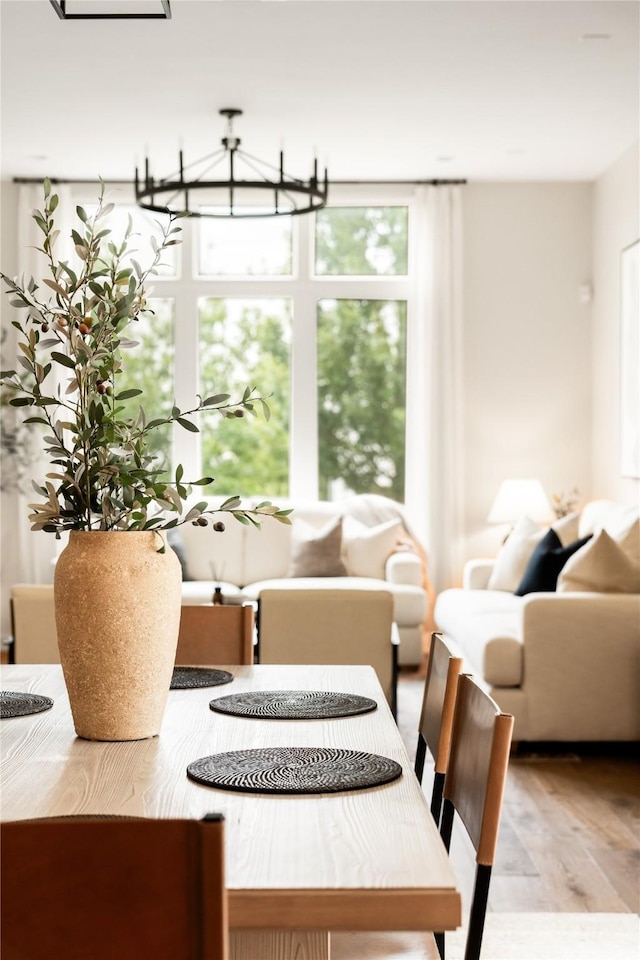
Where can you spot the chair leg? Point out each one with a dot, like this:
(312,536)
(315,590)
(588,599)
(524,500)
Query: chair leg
(478,912)
(446,823)
(12,647)
(436,797)
(394,681)
(421,752)
(446,826)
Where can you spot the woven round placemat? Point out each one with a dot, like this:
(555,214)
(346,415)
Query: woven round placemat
(293,704)
(14,704)
(294,770)
(186,678)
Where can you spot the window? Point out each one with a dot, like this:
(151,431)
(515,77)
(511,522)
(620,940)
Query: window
(361,397)
(313,312)
(228,248)
(149,367)
(361,241)
(245,342)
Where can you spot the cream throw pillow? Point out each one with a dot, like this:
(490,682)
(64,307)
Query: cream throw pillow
(604,565)
(367,549)
(316,553)
(515,553)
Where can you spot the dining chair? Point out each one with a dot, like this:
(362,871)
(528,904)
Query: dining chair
(211,634)
(436,717)
(473,788)
(332,625)
(104,887)
(33,624)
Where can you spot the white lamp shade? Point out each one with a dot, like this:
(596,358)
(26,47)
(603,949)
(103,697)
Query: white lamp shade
(520,498)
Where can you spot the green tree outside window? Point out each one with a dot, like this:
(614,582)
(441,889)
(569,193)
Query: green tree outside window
(361,241)
(246,338)
(361,396)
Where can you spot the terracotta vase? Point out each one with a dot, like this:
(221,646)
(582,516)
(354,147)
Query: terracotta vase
(117,604)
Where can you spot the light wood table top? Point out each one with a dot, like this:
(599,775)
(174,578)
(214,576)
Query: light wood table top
(367,859)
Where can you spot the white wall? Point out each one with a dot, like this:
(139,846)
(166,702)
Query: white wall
(615,226)
(527,251)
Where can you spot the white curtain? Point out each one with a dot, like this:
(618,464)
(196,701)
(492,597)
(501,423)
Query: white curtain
(435,388)
(27,557)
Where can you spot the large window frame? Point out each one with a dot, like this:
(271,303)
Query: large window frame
(304,289)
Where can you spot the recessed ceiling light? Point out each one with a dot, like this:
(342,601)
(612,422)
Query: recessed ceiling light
(595,36)
(444,159)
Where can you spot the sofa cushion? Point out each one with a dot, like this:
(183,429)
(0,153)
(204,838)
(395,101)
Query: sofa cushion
(513,556)
(603,566)
(488,622)
(267,550)
(367,549)
(316,553)
(547,560)
(409,602)
(516,551)
(615,518)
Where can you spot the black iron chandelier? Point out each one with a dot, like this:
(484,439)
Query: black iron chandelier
(253,188)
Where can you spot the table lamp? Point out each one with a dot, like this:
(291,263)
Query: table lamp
(520,498)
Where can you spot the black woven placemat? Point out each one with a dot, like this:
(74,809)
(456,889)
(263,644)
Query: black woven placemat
(293,704)
(14,704)
(186,678)
(294,770)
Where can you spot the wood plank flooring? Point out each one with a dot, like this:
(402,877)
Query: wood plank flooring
(570,833)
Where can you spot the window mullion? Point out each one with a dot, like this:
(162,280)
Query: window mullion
(186,445)
(303,451)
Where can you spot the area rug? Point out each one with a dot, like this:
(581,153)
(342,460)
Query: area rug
(509,936)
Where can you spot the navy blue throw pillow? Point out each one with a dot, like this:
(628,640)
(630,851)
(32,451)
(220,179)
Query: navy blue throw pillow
(545,564)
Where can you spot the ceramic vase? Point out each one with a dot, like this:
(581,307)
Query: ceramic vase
(117,605)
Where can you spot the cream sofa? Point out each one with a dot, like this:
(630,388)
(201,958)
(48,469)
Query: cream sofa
(376,552)
(566,664)
(375,549)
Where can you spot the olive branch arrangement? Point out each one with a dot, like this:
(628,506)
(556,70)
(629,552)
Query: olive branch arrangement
(103,476)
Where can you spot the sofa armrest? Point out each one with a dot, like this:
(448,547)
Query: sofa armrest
(575,613)
(476,573)
(581,670)
(404,566)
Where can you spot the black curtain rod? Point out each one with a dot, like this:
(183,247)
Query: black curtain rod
(397,183)
(341,183)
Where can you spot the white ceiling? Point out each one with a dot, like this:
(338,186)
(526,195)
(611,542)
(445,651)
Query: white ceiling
(390,89)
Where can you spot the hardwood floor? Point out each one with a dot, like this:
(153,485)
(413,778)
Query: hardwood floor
(570,830)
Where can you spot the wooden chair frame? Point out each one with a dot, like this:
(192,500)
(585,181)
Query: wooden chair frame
(101,887)
(214,634)
(436,717)
(474,788)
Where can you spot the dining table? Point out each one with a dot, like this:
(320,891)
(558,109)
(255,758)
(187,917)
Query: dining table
(298,865)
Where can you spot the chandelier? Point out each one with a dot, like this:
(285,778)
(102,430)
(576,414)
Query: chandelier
(108,10)
(252,188)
